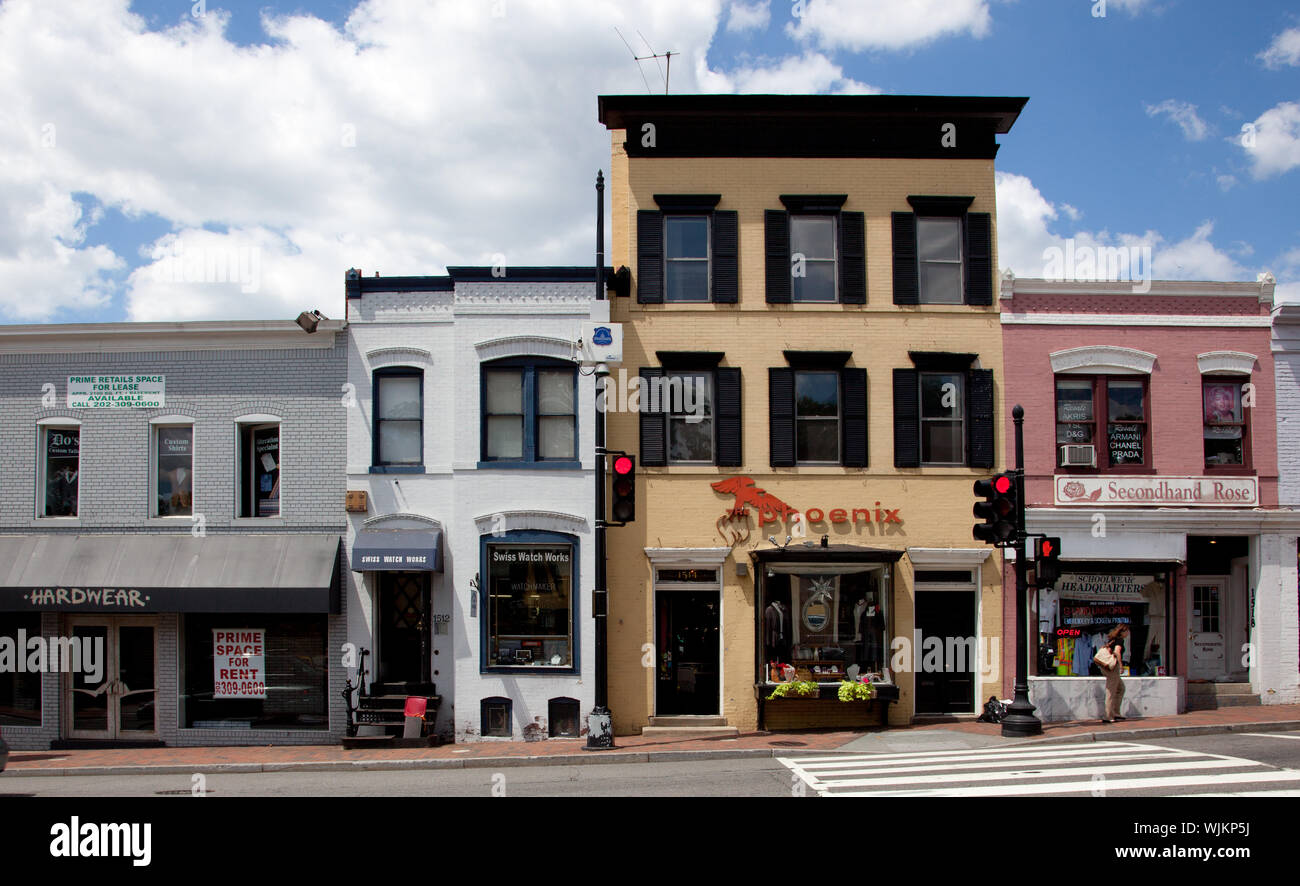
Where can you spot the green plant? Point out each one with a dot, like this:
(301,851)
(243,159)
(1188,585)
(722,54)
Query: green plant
(850,691)
(795,689)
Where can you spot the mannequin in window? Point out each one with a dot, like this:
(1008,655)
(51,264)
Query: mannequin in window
(776,624)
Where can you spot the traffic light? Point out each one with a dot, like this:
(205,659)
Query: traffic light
(999,509)
(1047,562)
(623,508)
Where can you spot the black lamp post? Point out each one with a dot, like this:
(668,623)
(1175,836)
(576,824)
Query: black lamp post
(1020,720)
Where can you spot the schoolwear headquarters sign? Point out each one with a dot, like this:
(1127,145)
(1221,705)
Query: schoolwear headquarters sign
(116,391)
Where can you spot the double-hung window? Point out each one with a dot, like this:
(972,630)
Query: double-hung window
(399,417)
(817,417)
(938,244)
(1101,422)
(530,412)
(60,470)
(689,411)
(690,416)
(813,258)
(686,258)
(943,418)
(1226,430)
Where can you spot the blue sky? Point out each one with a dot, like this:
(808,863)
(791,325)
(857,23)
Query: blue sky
(288,141)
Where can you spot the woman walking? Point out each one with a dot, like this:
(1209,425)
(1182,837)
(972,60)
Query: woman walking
(1110,659)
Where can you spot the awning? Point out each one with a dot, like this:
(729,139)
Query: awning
(377,550)
(169,573)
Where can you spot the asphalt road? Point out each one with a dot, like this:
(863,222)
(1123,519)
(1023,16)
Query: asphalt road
(1233,763)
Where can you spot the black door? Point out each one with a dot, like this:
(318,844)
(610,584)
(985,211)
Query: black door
(945,683)
(687,645)
(403,627)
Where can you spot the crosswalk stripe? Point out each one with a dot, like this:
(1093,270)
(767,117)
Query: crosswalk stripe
(1026,770)
(1079,787)
(1272,735)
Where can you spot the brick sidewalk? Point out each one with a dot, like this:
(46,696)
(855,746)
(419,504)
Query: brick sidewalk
(631,748)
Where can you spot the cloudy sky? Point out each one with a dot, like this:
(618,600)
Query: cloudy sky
(288,140)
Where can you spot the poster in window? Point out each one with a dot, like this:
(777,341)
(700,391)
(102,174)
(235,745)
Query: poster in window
(266,471)
(175,471)
(1222,403)
(1125,444)
(62,454)
(239,663)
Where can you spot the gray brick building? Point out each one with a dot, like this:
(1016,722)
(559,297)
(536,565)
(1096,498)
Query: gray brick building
(172,507)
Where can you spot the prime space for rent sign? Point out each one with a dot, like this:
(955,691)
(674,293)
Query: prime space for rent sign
(239,663)
(116,391)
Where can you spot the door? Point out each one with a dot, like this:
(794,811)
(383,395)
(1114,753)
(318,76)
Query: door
(403,627)
(687,633)
(945,682)
(1207,658)
(119,701)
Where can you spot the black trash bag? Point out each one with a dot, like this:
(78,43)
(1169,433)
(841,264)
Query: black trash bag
(994,711)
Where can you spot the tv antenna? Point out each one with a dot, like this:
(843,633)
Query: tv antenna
(667,56)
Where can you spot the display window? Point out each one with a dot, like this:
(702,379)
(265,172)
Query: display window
(1076,616)
(824,623)
(61,466)
(530,605)
(20,690)
(255,672)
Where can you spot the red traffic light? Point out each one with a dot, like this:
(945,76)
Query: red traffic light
(623,465)
(1002,483)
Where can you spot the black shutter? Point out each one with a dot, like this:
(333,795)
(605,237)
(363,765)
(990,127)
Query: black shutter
(726,417)
(853,388)
(979,418)
(907,275)
(979,258)
(780,417)
(726,270)
(653,444)
(776,235)
(853,258)
(649,257)
(907,418)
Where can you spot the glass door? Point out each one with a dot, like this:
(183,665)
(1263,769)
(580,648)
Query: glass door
(117,699)
(1206,647)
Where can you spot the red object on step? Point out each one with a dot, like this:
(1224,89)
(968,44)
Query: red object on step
(415,707)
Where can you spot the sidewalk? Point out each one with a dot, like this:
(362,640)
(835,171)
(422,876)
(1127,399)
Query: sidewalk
(631,748)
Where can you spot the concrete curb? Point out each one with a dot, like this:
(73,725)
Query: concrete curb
(613,757)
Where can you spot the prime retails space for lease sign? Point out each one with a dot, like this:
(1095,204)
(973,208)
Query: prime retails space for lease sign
(116,391)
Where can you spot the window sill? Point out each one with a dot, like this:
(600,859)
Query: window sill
(529,465)
(547,671)
(257,521)
(1229,471)
(56,521)
(397,469)
(179,520)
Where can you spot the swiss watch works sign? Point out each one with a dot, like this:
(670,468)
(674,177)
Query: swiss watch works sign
(116,391)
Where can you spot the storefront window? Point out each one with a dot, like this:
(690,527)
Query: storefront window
(227,684)
(828,623)
(175,463)
(62,452)
(259,447)
(20,691)
(1225,425)
(1075,617)
(530,605)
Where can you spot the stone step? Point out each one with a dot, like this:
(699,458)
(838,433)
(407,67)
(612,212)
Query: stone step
(1211,703)
(690,731)
(1218,690)
(688,720)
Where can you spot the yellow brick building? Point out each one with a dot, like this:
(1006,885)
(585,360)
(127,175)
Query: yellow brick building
(820,271)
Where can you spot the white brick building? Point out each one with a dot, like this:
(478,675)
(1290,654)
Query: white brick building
(473,439)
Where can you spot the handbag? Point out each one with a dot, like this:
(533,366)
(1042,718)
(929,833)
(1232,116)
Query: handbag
(1104,658)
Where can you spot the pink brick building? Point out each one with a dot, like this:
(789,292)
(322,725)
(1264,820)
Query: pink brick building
(1151,450)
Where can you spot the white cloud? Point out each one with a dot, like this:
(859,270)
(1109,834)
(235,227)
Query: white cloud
(1226,182)
(885,24)
(811,72)
(1132,7)
(1273,140)
(1184,114)
(413,137)
(1284,50)
(749,17)
(1025,233)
